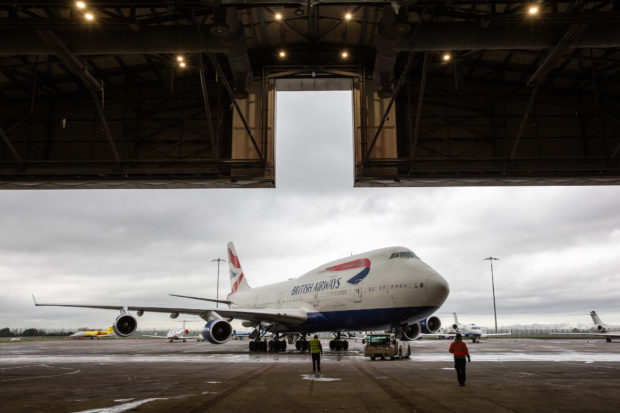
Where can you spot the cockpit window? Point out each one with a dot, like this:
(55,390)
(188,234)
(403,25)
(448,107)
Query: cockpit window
(403,254)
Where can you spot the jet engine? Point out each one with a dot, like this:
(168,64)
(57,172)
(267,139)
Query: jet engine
(217,331)
(430,325)
(125,325)
(601,328)
(410,333)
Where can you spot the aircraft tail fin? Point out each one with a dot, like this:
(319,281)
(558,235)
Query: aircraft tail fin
(238,281)
(595,318)
(110,330)
(456,319)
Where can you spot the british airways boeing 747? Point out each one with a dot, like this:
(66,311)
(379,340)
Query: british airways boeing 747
(385,289)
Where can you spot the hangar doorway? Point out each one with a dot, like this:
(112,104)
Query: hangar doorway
(365,114)
(314,134)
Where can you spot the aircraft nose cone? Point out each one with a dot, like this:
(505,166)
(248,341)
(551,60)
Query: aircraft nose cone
(437,289)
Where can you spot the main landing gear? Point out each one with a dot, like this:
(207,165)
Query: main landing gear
(302,344)
(338,344)
(262,346)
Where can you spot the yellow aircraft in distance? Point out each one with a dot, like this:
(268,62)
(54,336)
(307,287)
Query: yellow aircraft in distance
(93,333)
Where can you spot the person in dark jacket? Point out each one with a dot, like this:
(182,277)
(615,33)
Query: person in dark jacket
(460,351)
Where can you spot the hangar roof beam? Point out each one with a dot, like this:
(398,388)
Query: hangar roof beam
(89,81)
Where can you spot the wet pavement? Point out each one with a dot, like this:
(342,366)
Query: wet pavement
(154,375)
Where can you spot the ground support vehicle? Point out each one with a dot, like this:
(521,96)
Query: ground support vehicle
(385,345)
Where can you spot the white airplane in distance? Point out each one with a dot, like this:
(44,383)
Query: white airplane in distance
(469,331)
(385,289)
(173,335)
(600,329)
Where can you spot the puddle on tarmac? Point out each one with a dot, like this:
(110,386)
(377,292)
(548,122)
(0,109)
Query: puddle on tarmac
(122,407)
(29,359)
(314,377)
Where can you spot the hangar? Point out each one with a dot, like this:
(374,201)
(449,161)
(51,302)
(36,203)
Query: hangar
(181,93)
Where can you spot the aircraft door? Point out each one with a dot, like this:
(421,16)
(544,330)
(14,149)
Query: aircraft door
(357,293)
(315,300)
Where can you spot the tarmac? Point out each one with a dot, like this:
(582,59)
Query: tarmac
(112,375)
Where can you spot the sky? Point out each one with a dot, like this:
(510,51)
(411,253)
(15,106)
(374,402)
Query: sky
(558,247)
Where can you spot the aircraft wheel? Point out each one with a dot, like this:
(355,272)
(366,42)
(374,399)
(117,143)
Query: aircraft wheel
(608,339)
(263,346)
(252,346)
(283,345)
(408,351)
(345,345)
(373,358)
(331,344)
(305,345)
(298,345)
(184,340)
(400,352)
(271,345)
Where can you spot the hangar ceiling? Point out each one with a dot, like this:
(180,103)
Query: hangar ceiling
(445,92)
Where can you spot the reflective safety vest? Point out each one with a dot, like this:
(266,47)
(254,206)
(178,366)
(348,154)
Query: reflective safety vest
(315,345)
(459,349)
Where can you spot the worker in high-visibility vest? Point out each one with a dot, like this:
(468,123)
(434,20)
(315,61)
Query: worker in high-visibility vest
(315,351)
(459,349)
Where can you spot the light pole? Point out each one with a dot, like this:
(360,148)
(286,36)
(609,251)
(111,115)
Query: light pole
(217,293)
(491,259)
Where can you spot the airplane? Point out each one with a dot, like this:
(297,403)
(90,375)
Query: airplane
(175,334)
(93,333)
(600,329)
(384,289)
(469,330)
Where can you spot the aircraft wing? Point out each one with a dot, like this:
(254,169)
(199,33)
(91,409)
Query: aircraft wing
(280,316)
(593,334)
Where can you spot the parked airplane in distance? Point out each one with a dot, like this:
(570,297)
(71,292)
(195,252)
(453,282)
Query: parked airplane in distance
(600,329)
(93,333)
(175,334)
(385,289)
(469,331)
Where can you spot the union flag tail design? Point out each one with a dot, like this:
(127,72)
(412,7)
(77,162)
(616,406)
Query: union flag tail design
(237,278)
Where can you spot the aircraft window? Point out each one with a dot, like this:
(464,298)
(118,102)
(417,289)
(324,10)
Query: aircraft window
(403,254)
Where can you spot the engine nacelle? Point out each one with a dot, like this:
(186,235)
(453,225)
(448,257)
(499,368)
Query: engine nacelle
(410,333)
(125,325)
(217,331)
(601,328)
(455,326)
(430,325)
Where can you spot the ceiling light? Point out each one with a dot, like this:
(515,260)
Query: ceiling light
(182,64)
(348,16)
(532,10)
(446,57)
(89,16)
(299,12)
(80,4)
(344,54)
(278,16)
(180,58)
(282,53)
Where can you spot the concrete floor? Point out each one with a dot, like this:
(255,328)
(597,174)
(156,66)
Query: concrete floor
(154,375)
